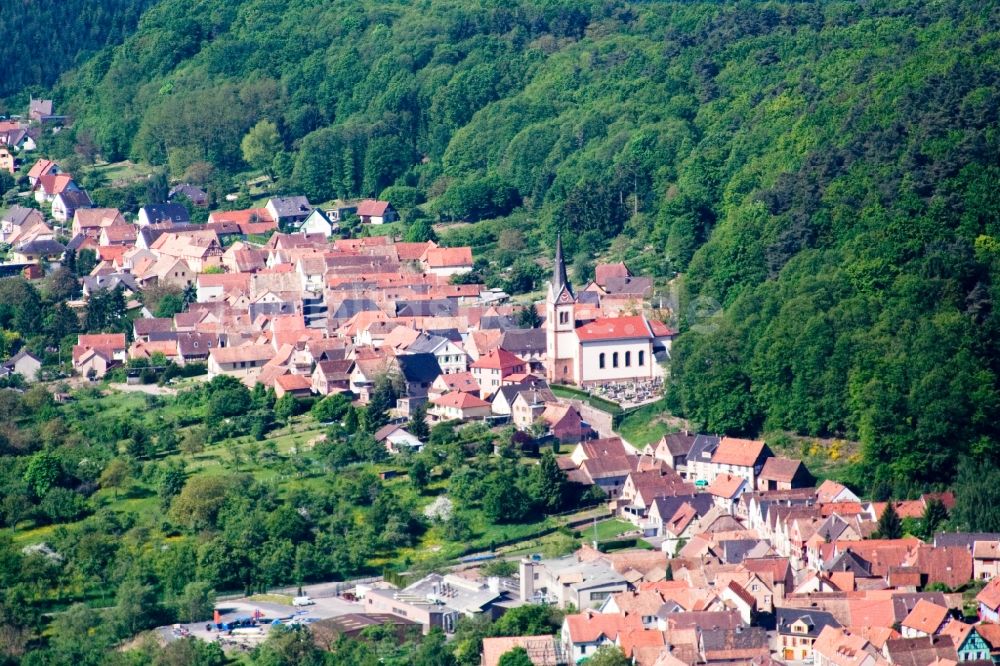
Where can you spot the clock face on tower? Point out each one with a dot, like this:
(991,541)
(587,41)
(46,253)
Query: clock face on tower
(565,298)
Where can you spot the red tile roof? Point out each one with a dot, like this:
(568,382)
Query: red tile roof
(615,328)
(780,469)
(372,207)
(107,340)
(740,452)
(461,400)
(604,271)
(498,359)
(726,485)
(40,168)
(588,627)
(241,217)
(925,617)
(447,257)
(660,329)
(630,639)
(293,382)
(990,595)
(54,184)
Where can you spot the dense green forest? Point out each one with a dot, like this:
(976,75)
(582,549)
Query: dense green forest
(825,173)
(44,38)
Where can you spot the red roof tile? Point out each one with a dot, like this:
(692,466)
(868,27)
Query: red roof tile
(498,359)
(461,400)
(741,452)
(925,617)
(614,328)
(372,207)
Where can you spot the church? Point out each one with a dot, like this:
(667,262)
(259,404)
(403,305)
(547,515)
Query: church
(598,351)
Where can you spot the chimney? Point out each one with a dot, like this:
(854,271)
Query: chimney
(494,584)
(527,583)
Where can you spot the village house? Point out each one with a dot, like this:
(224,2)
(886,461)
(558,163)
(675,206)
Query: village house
(584,633)
(798,630)
(564,423)
(332,376)
(192,193)
(969,643)
(569,581)
(66,203)
(36,251)
(926,619)
(527,404)
(447,261)
(450,357)
(23,363)
(52,184)
(541,650)
(989,602)
(738,457)
(297,386)
(372,211)
(42,168)
(118,234)
(784,474)
(163,213)
(288,212)
(94,354)
(7,161)
(244,362)
(17,218)
(200,249)
(445,383)
(986,559)
(459,406)
(491,369)
(835,647)
(396,438)
(318,223)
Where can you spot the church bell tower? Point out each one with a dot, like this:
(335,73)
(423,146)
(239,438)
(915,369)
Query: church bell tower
(560,324)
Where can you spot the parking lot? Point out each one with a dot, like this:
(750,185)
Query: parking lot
(265,612)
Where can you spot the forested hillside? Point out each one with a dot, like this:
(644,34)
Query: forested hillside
(44,38)
(825,172)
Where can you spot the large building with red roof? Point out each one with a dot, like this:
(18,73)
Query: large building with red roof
(600,351)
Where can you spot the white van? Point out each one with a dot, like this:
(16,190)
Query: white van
(302,601)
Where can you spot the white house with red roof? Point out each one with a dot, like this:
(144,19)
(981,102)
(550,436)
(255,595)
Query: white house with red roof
(602,351)
(460,406)
(372,211)
(490,370)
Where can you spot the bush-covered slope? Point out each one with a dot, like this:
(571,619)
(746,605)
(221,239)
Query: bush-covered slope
(826,172)
(44,38)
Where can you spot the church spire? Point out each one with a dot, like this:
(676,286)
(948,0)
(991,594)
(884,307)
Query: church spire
(559,279)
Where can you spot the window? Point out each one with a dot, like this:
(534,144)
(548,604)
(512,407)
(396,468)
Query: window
(642,358)
(614,359)
(628,359)
(600,360)
(563,317)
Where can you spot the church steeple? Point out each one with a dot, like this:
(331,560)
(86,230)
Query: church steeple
(559,280)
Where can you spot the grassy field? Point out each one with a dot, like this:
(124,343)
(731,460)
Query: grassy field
(124,171)
(607,529)
(646,425)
